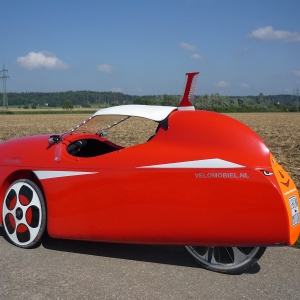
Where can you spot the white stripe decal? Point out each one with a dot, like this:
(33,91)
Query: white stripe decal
(213,163)
(56,174)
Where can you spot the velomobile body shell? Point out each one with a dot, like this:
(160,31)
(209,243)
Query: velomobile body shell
(206,179)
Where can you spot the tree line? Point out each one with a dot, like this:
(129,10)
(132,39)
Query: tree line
(214,102)
(56,99)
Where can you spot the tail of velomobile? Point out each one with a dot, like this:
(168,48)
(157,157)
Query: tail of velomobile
(278,177)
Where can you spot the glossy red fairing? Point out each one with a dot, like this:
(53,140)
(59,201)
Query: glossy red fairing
(204,179)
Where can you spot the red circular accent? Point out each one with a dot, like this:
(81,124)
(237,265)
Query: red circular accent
(12,221)
(12,203)
(28,215)
(22,228)
(23,200)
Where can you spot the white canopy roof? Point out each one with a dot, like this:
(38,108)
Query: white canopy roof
(152,112)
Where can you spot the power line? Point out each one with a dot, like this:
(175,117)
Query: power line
(4,77)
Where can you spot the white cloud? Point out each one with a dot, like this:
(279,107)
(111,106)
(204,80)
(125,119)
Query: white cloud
(244,85)
(269,34)
(296,72)
(196,56)
(117,90)
(188,46)
(106,68)
(221,84)
(43,59)
(140,90)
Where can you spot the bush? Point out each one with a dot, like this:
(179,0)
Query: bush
(67,104)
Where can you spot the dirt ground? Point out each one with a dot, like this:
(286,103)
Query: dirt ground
(280,131)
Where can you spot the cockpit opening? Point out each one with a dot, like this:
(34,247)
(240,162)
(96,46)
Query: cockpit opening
(90,148)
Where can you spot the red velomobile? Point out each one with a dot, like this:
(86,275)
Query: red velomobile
(203,180)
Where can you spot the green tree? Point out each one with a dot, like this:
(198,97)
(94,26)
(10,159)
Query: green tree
(86,105)
(67,104)
(170,100)
(145,101)
(260,98)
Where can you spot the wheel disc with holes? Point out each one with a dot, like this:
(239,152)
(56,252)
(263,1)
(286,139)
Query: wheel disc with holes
(231,260)
(23,213)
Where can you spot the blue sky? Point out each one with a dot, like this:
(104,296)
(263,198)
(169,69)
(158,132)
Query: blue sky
(140,47)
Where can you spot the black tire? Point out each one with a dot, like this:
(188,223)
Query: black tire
(24,214)
(231,260)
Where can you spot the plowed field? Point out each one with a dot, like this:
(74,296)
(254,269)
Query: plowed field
(280,131)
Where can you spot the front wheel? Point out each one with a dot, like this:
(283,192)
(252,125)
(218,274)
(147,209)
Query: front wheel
(232,260)
(24,213)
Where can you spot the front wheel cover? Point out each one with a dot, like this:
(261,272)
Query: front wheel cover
(24,214)
(231,260)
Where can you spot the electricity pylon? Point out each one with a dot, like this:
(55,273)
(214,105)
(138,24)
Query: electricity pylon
(4,77)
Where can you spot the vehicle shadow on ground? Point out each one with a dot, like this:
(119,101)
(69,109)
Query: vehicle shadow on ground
(170,255)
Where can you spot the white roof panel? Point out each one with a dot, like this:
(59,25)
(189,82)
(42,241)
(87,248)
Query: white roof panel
(152,112)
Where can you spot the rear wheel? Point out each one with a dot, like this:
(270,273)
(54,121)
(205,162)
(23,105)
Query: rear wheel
(24,213)
(232,260)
